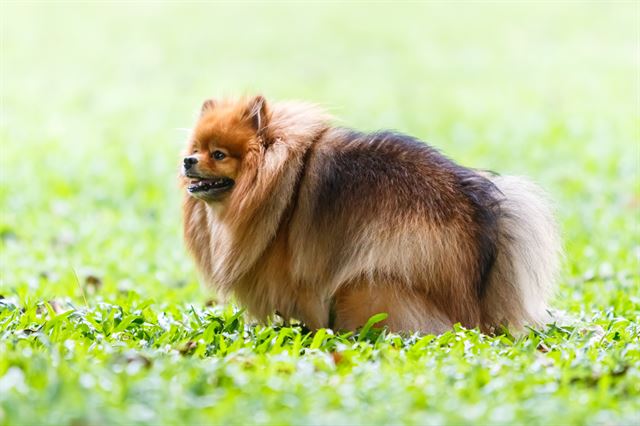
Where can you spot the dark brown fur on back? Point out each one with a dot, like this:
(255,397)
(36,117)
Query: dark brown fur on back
(365,177)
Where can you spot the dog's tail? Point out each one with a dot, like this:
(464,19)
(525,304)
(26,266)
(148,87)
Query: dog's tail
(528,258)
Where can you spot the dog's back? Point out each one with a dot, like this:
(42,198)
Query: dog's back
(387,212)
(387,223)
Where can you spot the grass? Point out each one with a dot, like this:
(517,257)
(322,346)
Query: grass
(102,318)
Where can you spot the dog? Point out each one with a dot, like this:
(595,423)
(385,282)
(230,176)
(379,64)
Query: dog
(291,214)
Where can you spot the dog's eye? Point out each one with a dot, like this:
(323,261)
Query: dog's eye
(218,155)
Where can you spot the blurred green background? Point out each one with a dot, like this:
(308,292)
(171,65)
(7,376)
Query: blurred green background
(97,97)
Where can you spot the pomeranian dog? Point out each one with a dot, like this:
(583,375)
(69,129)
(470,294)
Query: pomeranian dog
(293,215)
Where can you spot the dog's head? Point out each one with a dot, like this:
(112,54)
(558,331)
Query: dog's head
(227,133)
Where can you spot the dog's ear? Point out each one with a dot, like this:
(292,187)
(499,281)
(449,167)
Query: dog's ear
(257,114)
(207,105)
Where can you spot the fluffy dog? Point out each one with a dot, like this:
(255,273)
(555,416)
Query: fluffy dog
(291,214)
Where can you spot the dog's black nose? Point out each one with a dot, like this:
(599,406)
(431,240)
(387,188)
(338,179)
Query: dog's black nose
(189,161)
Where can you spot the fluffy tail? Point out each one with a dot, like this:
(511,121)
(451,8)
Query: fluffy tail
(528,259)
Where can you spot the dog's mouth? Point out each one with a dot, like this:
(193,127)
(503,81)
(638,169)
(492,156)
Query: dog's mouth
(209,186)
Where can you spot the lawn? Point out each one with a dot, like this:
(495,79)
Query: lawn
(102,316)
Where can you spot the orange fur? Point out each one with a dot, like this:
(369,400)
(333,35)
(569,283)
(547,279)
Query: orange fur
(325,224)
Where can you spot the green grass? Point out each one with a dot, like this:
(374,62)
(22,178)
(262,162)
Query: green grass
(102,318)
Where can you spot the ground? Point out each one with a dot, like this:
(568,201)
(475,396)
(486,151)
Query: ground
(102,316)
